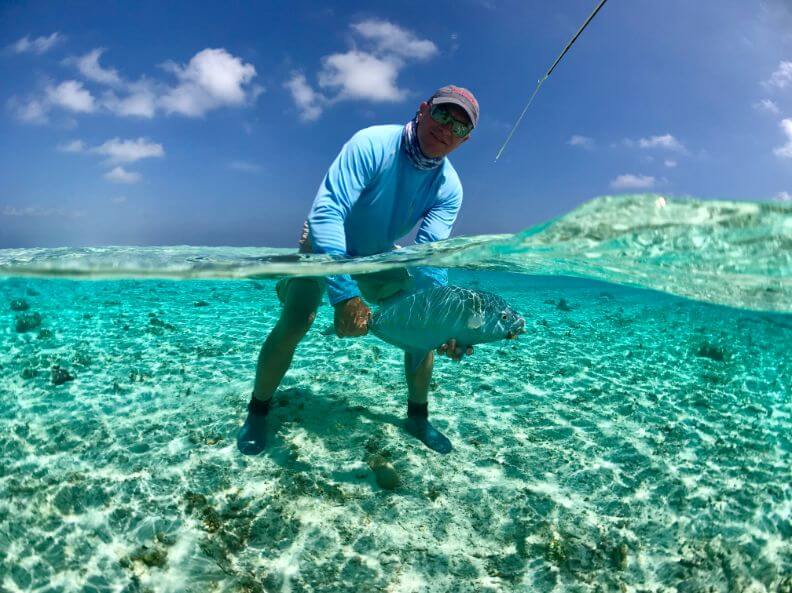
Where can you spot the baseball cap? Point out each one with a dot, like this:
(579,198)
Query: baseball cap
(458,96)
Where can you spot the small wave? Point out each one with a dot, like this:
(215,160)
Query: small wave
(737,254)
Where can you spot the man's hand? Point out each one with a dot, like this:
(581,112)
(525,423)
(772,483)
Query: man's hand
(453,351)
(351,318)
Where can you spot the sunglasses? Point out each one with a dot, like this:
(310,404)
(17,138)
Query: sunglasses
(441,115)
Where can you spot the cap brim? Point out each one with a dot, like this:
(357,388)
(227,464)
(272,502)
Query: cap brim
(458,103)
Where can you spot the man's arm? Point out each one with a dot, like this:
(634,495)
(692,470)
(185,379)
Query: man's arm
(436,226)
(439,220)
(351,171)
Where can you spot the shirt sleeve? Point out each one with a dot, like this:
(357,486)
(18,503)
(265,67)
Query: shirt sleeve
(436,226)
(351,171)
(439,220)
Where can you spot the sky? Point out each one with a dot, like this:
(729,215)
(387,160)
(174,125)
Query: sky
(173,123)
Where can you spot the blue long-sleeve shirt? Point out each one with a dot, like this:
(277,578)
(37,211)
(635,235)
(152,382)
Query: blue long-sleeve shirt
(372,196)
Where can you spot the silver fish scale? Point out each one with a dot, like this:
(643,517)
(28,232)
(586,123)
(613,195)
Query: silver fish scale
(426,319)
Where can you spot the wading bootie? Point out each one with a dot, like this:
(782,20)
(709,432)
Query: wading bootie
(418,425)
(252,436)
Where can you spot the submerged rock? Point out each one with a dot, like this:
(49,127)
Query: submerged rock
(199,505)
(562,305)
(156,322)
(555,551)
(211,519)
(434,491)
(385,474)
(711,351)
(45,334)
(137,376)
(167,539)
(27,321)
(200,304)
(60,375)
(151,557)
(510,567)
(19,305)
(619,555)
(194,500)
(82,358)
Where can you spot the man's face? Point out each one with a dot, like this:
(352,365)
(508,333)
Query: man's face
(438,140)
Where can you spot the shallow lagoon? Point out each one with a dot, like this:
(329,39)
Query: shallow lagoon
(631,440)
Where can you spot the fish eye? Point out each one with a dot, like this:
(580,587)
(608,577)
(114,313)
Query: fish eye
(504,316)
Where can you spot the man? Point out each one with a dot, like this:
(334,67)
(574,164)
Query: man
(384,180)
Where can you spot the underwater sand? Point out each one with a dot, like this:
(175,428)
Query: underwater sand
(629,441)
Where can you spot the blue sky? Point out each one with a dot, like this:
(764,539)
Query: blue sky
(155,123)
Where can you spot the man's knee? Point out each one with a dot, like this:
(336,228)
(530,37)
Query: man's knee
(299,310)
(297,321)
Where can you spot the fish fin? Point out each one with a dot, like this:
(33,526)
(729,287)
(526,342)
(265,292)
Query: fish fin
(416,358)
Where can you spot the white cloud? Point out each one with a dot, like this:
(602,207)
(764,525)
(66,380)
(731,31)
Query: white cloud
(73,146)
(69,95)
(392,39)
(783,196)
(244,166)
(782,77)
(72,96)
(785,151)
(308,101)
(129,151)
(629,181)
(121,175)
(359,75)
(369,71)
(140,102)
(670,163)
(89,67)
(32,111)
(119,152)
(211,79)
(39,212)
(119,200)
(582,141)
(39,45)
(767,105)
(666,141)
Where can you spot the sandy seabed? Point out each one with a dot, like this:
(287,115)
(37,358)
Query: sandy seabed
(630,441)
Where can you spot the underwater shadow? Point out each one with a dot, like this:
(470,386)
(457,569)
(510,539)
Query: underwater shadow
(289,407)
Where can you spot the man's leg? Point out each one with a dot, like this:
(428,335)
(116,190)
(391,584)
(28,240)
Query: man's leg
(417,423)
(299,310)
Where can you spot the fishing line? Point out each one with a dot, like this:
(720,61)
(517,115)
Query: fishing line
(547,75)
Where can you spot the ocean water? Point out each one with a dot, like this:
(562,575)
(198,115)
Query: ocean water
(636,438)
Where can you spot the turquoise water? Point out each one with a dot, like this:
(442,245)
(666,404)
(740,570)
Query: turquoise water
(636,438)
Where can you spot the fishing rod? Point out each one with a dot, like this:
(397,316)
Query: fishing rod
(547,75)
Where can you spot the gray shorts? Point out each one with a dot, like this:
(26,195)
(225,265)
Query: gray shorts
(376,287)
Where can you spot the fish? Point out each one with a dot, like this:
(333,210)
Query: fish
(425,320)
